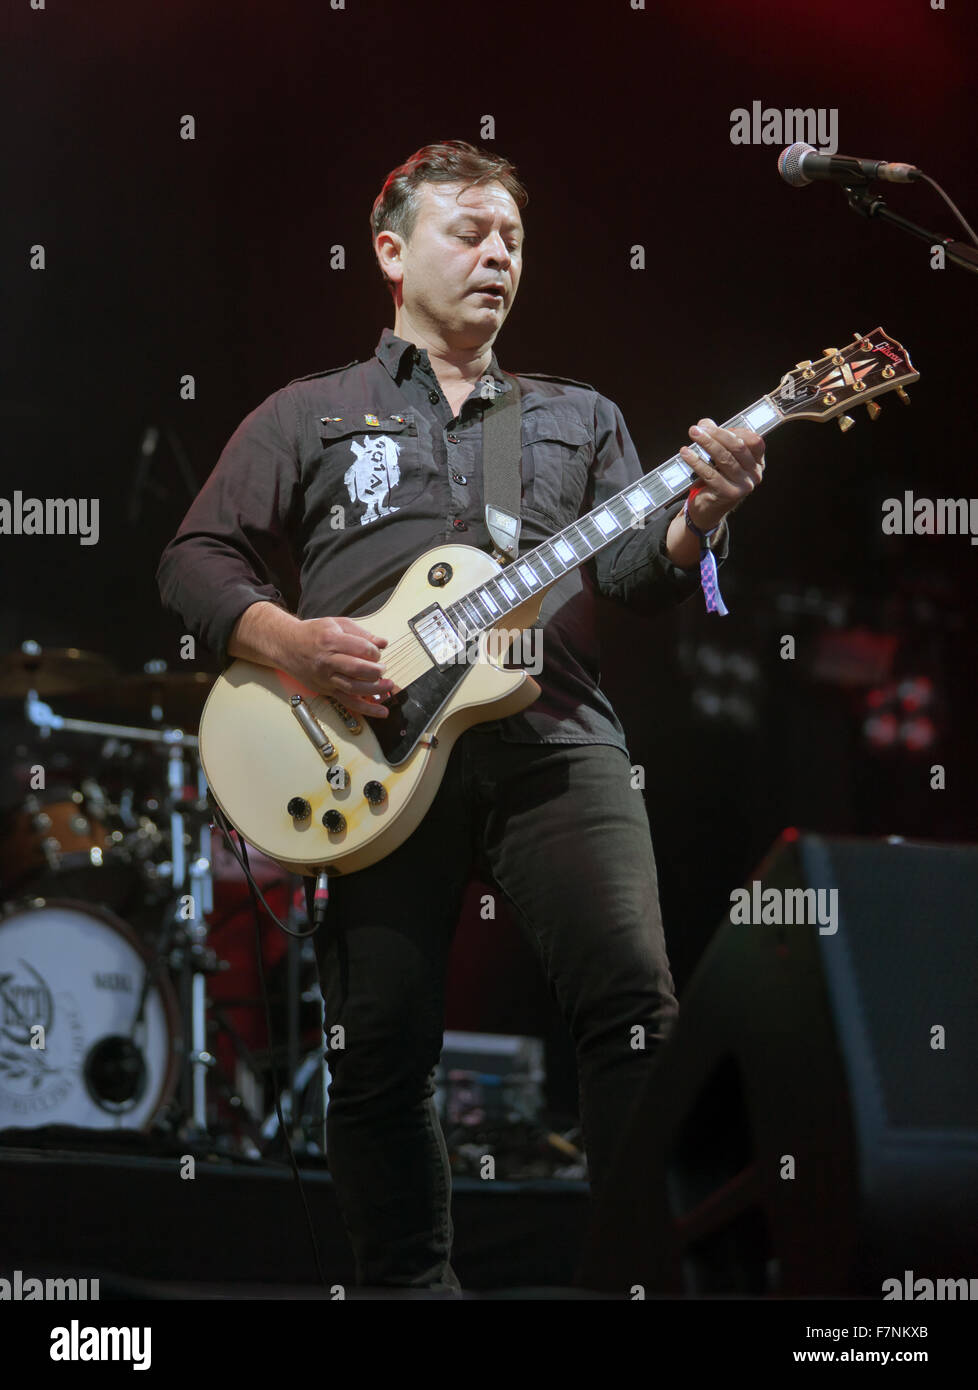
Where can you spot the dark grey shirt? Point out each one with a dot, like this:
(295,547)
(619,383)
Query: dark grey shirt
(327,492)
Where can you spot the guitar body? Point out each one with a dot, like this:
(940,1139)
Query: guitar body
(260,759)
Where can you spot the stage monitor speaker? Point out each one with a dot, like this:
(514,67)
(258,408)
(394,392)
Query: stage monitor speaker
(810,1127)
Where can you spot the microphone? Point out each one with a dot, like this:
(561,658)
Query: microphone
(801,164)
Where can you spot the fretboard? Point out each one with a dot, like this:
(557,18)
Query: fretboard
(483,608)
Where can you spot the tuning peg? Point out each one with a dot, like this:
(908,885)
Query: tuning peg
(846,422)
(856,337)
(806,363)
(903,395)
(829,352)
(873,409)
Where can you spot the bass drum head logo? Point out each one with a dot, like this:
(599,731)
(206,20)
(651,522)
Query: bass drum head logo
(34,1080)
(73,1023)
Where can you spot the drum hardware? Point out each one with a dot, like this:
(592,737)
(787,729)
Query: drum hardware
(75,841)
(115,1072)
(196,961)
(304,1105)
(189,883)
(110,841)
(309,1074)
(298,947)
(192,961)
(41,714)
(239,1086)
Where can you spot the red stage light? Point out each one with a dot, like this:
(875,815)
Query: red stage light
(881,730)
(918,733)
(915,692)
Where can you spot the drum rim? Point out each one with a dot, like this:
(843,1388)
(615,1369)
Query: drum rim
(162,983)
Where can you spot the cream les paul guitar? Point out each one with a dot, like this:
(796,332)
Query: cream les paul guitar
(321,789)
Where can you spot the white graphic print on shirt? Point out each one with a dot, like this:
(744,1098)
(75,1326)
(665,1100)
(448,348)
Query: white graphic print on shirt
(372,475)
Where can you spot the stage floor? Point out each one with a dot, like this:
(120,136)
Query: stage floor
(129,1218)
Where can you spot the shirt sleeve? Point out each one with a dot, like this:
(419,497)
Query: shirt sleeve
(232,548)
(635,569)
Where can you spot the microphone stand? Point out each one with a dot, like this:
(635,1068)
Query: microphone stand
(871,205)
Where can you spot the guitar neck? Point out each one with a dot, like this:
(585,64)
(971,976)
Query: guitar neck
(484,607)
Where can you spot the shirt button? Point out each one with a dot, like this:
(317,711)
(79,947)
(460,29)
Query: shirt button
(453,439)
(459,478)
(434,397)
(459,525)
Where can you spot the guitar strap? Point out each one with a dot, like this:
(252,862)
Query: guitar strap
(501,471)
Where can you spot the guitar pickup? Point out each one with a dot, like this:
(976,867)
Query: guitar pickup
(312,729)
(437,635)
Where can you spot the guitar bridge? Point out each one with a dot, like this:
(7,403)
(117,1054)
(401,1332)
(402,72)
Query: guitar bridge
(351,720)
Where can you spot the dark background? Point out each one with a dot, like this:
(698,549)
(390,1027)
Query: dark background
(211,257)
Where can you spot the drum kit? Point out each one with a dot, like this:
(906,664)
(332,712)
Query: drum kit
(129,995)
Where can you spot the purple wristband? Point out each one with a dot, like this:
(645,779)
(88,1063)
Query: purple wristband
(708,565)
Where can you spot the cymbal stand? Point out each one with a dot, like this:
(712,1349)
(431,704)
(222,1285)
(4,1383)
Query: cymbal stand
(192,883)
(193,891)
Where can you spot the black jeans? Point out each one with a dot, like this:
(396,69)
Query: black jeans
(561,832)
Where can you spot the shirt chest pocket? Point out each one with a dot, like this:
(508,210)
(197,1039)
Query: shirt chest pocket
(556,457)
(371,464)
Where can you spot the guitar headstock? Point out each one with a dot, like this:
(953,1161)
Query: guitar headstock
(872,364)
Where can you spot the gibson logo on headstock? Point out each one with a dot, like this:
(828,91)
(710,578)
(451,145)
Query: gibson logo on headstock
(793,392)
(887,351)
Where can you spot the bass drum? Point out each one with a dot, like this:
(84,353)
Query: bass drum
(89,1031)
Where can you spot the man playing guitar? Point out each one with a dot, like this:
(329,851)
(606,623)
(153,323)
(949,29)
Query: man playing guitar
(321,499)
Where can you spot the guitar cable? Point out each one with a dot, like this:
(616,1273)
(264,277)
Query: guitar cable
(953,206)
(256,895)
(228,831)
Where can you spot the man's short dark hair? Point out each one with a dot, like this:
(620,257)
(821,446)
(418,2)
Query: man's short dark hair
(451,161)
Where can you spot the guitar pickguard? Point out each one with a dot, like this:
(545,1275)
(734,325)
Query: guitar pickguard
(415,708)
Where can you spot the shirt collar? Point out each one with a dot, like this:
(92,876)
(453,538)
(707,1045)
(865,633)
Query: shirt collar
(399,357)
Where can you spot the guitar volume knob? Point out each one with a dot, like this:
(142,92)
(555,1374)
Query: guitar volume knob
(299,808)
(375,792)
(334,821)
